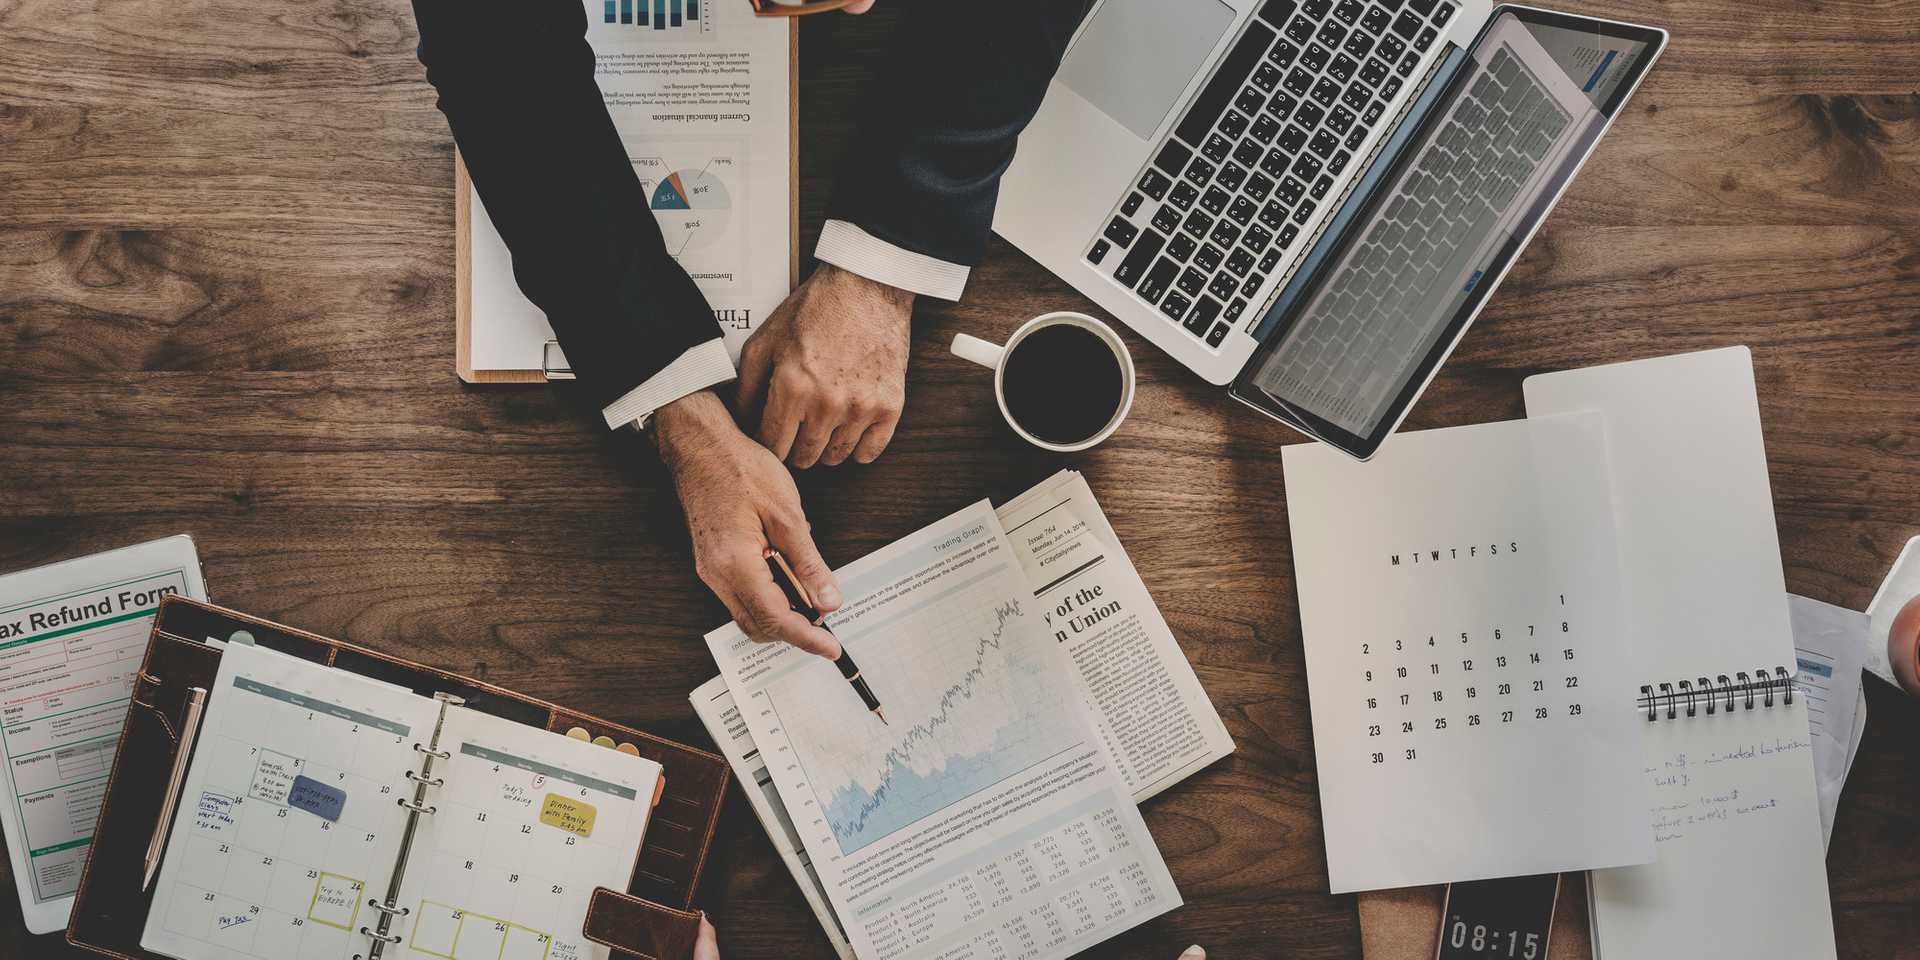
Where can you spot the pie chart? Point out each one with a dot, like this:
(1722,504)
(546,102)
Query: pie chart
(692,207)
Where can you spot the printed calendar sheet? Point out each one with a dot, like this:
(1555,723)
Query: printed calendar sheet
(1467,662)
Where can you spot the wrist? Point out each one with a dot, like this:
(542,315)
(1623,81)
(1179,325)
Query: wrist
(689,423)
(868,288)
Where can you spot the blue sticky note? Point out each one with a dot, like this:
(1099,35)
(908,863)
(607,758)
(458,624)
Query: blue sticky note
(317,798)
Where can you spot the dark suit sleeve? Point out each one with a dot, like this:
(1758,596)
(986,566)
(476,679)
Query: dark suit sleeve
(515,79)
(969,78)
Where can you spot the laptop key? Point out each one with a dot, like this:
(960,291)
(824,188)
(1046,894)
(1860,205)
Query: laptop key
(1306,166)
(1266,76)
(1376,19)
(1180,247)
(1282,104)
(1422,7)
(1242,210)
(1258,186)
(1324,143)
(1247,154)
(1442,14)
(1135,264)
(1173,157)
(1269,260)
(1199,172)
(1391,87)
(1252,285)
(1183,195)
(1321,187)
(1291,140)
(1407,63)
(1314,57)
(1274,213)
(1121,232)
(1325,92)
(1197,224)
(1425,39)
(1276,160)
(1374,111)
(1154,184)
(1308,117)
(1231,176)
(1290,191)
(1234,310)
(1175,306)
(1219,333)
(1348,11)
(1303,213)
(1208,257)
(1406,25)
(1299,81)
(1256,238)
(1099,251)
(1283,54)
(1191,282)
(1225,233)
(1391,47)
(1300,29)
(1204,310)
(1234,124)
(1342,67)
(1214,201)
(1216,148)
(1166,219)
(1264,127)
(1239,261)
(1338,162)
(1276,12)
(1224,285)
(1358,45)
(1287,233)
(1155,282)
(1132,204)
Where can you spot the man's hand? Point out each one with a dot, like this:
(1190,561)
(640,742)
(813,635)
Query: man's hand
(740,500)
(831,365)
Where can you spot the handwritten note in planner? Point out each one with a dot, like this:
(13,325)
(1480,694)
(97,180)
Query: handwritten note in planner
(288,819)
(1742,869)
(1461,601)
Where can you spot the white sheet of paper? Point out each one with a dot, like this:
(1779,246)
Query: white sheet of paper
(1830,644)
(1902,584)
(1695,513)
(986,814)
(1741,871)
(703,105)
(1468,667)
(72,637)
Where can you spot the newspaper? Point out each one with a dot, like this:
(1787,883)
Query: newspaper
(1139,692)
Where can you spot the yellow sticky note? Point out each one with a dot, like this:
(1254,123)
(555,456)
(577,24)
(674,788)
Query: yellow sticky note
(568,814)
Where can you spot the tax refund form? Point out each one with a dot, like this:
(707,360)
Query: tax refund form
(72,635)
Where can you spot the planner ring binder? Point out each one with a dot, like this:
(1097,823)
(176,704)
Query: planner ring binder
(389,907)
(1761,686)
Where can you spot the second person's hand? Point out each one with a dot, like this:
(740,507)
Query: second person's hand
(739,500)
(827,371)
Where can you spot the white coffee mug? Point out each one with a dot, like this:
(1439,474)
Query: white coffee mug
(994,357)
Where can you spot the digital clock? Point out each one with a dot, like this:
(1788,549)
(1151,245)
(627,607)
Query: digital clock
(1508,918)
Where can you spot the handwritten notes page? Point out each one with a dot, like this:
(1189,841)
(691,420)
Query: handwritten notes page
(1742,868)
(288,817)
(526,826)
(1468,670)
(985,818)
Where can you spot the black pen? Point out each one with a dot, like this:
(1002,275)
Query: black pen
(802,604)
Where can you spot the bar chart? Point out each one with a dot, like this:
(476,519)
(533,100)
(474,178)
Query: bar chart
(655,14)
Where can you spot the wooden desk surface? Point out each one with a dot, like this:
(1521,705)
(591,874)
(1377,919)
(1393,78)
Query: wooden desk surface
(226,308)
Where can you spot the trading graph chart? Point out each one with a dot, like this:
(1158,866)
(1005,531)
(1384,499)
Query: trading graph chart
(966,711)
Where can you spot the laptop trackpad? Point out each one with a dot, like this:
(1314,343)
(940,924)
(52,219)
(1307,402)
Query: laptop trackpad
(1137,55)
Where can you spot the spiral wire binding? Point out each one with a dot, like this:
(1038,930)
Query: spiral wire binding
(1761,686)
(389,908)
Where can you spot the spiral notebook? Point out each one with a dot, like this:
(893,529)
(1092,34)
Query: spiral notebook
(1740,866)
(326,814)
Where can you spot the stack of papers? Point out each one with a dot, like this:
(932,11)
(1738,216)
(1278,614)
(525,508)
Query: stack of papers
(1033,696)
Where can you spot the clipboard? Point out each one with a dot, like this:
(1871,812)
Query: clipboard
(652,918)
(550,364)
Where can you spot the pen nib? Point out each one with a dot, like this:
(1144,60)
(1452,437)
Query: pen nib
(882,716)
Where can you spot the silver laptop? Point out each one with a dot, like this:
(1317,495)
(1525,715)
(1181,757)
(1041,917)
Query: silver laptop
(1310,200)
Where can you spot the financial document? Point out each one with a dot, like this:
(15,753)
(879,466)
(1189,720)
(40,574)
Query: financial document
(1829,648)
(72,636)
(701,94)
(985,818)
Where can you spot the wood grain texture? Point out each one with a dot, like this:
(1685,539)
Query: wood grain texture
(226,308)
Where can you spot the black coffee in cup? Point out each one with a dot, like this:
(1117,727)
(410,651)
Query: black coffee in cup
(1062,384)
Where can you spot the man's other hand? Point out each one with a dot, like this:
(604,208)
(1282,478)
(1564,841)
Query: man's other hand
(740,500)
(830,367)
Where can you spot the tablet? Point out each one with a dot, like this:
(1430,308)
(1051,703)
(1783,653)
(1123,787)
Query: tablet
(72,638)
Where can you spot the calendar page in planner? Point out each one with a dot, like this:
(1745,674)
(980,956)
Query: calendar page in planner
(1470,682)
(289,816)
(526,824)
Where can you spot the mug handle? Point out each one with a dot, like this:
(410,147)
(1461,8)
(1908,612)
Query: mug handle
(973,348)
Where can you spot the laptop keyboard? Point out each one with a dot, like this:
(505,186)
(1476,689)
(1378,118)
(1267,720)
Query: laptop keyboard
(1259,150)
(1389,301)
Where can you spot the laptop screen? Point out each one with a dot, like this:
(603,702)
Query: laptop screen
(1380,301)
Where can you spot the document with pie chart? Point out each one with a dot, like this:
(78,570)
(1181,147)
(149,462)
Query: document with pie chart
(701,94)
(984,816)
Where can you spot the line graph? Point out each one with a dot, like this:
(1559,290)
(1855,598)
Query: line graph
(965,679)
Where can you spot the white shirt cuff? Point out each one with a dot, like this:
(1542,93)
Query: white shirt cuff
(697,369)
(850,248)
